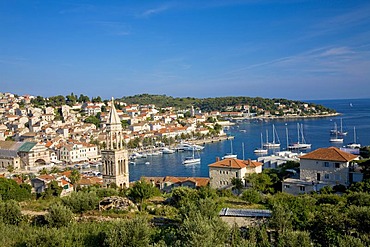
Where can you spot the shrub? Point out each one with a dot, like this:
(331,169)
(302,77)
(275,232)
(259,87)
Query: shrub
(251,196)
(59,215)
(10,212)
(81,201)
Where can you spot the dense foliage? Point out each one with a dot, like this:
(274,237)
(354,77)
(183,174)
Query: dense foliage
(218,103)
(189,217)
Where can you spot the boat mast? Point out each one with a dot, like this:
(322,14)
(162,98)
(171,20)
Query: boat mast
(243,149)
(287,139)
(354,134)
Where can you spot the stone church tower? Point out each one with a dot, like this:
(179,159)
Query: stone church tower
(115,156)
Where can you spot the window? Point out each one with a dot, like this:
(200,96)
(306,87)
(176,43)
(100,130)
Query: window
(337,165)
(327,176)
(302,188)
(287,186)
(326,164)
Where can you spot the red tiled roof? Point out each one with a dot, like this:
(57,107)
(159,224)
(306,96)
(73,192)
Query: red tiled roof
(235,163)
(330,154)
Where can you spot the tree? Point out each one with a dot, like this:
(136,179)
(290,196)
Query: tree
(251,196)
(53,190)
(199,231)
(74,178)
(10,212)
(83,98)
(237,184)
(260,182)
(10,168)
(93,120)
(10,190)
(44,171)
(59,215)
(71,99)
(96,100)
(131,233)
(141,191)
(81,201)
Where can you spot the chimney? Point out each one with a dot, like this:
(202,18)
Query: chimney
(229,162)
(217,159)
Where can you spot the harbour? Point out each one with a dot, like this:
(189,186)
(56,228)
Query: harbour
(354,112)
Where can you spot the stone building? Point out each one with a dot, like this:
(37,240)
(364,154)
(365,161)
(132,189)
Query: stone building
(324,166)
(222,171)
(23,155)
(115,156)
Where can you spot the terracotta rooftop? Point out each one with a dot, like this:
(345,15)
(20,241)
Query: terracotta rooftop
(330,154)
(235,163)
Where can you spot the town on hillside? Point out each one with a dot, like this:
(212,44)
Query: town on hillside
(49,192)
(39,134)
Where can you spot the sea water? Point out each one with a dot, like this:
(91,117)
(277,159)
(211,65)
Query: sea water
(354,113)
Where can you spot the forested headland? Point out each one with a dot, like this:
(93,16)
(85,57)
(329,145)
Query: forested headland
(220,103)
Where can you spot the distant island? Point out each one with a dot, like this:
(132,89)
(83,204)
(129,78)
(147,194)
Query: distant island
(257,106)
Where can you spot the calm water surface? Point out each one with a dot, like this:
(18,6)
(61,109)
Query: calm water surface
(354,113)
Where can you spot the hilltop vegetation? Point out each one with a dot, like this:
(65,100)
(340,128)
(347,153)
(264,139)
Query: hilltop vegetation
(218,103)
(259,105)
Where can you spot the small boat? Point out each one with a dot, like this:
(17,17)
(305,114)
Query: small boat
(167,151)
(260,150)
(230,155)
(340,132)
(272,144)
(336,139)
(147,163)
(354,144)
(191,160)
(300,144)
(189,147)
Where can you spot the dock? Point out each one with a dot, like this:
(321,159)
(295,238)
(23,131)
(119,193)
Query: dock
(211,140)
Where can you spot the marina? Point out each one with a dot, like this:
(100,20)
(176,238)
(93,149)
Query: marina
(316,133)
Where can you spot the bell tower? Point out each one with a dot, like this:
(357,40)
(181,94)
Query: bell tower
(115,156)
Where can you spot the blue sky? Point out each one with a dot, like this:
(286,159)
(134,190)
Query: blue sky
(274,49)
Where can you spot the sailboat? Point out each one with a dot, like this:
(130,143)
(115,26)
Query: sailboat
(272,144)
(354,145)
(230,155)
(336,139)
(298,144)
(340,132)
(260,150)
(191,160)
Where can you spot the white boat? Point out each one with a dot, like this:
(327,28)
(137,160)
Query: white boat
(336,139)
(191,160)
(260,150)
(340,132)
(230,155)
(272,144)
(136,155)
(189,147)
(147,163)
(300,144)
(166,150)
(354,144)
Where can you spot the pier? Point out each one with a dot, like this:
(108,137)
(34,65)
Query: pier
(211,140)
